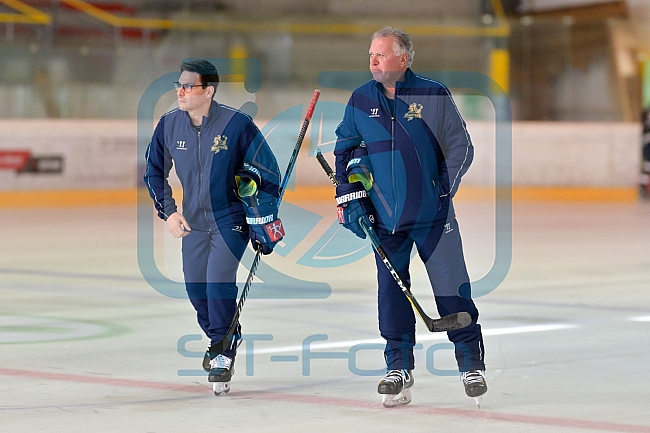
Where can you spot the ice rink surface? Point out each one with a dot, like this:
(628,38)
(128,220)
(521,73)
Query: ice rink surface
(87,345)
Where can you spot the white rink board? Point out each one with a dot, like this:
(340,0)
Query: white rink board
(102,154)
(97,154)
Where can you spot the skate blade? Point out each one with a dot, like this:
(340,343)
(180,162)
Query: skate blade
(477,400)
(401,399)
(220,388)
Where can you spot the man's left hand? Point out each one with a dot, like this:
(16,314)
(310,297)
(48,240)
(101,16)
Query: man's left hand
(266,235)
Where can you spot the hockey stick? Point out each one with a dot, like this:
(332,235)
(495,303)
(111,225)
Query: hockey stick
(221,345)
(446,323)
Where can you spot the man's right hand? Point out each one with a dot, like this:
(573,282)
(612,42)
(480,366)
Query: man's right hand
(177,225)
(353,203)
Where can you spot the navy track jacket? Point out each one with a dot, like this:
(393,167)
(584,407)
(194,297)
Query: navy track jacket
(206,163)
(417,155)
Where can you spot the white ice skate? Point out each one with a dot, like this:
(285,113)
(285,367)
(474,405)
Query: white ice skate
(395,388)
(475,385)
(222,368)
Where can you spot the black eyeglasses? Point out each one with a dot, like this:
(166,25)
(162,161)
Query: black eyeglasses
(187,87)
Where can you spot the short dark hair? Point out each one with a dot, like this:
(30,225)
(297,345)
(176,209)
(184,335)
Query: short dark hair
(207,72)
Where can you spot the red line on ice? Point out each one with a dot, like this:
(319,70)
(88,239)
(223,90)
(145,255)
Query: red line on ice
(333,401)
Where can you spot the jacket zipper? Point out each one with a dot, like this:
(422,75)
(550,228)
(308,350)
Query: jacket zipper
(392,158)
(205,214)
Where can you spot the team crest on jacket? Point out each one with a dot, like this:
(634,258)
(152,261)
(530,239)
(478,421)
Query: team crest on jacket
(219,143)
(415,112)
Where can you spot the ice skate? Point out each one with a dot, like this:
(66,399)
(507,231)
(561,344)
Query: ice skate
(475,385)
(206,360)
(222,368)
(395,388)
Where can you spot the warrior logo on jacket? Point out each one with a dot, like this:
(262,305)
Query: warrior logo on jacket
(219,143)
(415,112)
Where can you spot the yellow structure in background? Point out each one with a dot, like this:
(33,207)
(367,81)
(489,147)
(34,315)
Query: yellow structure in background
(27,15)
(237,55)
(30,15)
(500,68)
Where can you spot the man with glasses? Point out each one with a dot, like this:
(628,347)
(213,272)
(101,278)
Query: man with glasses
(230,181)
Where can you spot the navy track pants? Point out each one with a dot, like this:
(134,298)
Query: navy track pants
(440,249)
(210,262)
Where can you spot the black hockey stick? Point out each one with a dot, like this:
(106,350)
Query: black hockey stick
(226,341)
(446,323)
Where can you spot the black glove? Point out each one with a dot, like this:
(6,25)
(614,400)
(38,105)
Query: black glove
(264,226)
(352,198)
(359,168)
(353,204)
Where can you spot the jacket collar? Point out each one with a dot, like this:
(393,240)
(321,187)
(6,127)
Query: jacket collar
(213,113)
(409,80)
(215,109)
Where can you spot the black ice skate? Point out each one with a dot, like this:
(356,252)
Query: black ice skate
(475,385)
(211,352)
(206,360)
(395,388)
(222,368)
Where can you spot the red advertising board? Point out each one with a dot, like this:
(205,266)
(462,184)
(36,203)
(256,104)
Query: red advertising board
(13,159)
